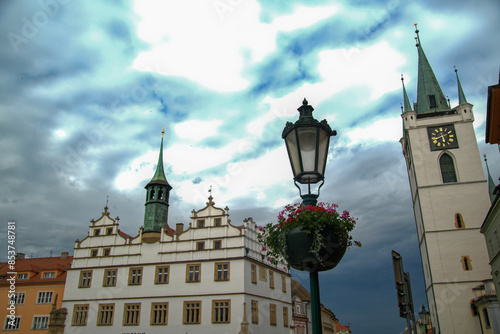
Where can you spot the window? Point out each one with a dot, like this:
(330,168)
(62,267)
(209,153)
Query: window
(201,222)
(160,194)
(432,101)
(22,276)
(40,322)
(192,312)
(162,274)
(12,324)
(159,313)
(221,311)
(193,272)
(285,316)
(272,314)
(447,168)
(109,231)
(106,251)
(105,315)
(135,276)
(255,312)
(152,194)
(131,314)
(271,279)
(109,277)
(97,232)
(253,273)
(18,298)
(80,313)
(283,283)
(217,244)
(44,297)
(85,279)
(466,263)
(222,271)
(218,222)
(459,221)
(262,274)
(50,274)
(94,252)
(200,245)
(486,318)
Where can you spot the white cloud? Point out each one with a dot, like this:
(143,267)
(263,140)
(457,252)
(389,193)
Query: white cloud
(195,130)
(388,129)
(197,43)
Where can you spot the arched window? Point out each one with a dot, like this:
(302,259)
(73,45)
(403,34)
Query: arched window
(459,221)
(152,194)
(160,194)
(447,168)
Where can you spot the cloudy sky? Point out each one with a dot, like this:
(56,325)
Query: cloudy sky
(86,88)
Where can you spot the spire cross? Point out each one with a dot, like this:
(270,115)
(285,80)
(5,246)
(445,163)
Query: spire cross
(162,131)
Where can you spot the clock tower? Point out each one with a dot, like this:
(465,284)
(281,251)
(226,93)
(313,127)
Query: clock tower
(450,199)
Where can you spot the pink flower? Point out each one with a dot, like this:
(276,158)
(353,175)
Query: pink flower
(269,259)
(264,248)
(261,228)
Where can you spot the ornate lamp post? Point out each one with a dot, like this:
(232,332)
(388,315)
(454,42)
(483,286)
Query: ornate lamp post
(425,318)
(307,141)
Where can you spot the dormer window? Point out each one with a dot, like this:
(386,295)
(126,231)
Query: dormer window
(96,232)
(218,222)
(201,223)
(50,274)
(432,101)
(109,231)
(22,276)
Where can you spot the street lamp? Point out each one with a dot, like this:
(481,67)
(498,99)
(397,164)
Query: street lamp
(307,141)
(425,317)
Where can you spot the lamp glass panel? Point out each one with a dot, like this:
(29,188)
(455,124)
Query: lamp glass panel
(293,154)
(307,144)
(324,140)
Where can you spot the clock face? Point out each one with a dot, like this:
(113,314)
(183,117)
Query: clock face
(442,137)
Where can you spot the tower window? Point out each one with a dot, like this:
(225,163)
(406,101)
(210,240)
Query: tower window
(459,221)
(152,194)
(466,263)
(447,168)
(160,195)
(432,101)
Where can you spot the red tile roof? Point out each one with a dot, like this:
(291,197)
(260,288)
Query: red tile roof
(36,267)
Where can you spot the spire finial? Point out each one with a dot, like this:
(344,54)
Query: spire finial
(304,103)
(162,131)
(417,39)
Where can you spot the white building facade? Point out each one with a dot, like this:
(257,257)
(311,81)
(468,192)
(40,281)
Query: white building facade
(450,199)
(210,278)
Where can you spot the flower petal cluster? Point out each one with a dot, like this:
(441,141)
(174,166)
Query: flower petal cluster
(312,219)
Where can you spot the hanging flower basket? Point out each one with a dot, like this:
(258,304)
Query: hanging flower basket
(310,238)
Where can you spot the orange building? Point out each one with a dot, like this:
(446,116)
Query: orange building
(37,283)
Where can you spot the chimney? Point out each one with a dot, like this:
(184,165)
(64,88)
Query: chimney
(64,255)
(179,228)
(20,256)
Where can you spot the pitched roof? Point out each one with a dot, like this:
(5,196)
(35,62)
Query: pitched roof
(300,291)
(37,266)
(340,327)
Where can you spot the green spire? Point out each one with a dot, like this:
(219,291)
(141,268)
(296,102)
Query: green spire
(491,183)
(157,198)
(461,95)
(160,174)
(407,105)
(430,97)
